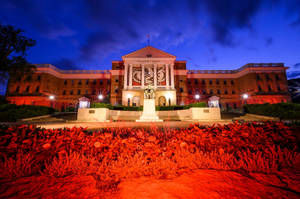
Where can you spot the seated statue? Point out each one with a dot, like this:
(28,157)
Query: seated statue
(149,93)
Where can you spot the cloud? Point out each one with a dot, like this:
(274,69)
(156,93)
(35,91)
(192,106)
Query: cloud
(268,41)
(294,71)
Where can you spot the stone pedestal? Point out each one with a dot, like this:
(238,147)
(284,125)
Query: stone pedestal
(149,114)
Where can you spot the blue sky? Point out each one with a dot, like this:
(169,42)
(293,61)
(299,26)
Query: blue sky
(209,34)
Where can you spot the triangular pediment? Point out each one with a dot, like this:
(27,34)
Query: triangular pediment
(148,52)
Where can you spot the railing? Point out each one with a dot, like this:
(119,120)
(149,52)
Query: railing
(251,65)
(72,71)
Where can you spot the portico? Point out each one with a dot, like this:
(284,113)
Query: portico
(148,67)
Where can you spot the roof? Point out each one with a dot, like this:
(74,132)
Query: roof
(149,52)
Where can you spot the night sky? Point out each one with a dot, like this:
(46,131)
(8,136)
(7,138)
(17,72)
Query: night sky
(208,34)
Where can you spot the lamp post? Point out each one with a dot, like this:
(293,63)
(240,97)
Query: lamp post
(52,98)
(129,96)
(100,97)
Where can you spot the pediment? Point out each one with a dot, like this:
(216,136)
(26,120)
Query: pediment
(148,52)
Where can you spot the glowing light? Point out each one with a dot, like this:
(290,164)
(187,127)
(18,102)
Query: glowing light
(197,96)
(51,97)
(245,96)
(169,96)
(100,97)
(129,96)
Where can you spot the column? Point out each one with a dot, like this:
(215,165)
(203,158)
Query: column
(167,76)
(172,76)
(130,76)
(143,76)
(125,76)
(155,75)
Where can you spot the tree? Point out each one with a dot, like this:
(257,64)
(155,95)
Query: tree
(13,47)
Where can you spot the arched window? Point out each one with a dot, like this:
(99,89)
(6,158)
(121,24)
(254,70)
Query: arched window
(37,89)
(259,88)
(64,92)
(27,89)
(17,89)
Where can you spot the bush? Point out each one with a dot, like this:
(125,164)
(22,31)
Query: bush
(198,104)
(101,105)
(282,110)
(12,112)
(118,107)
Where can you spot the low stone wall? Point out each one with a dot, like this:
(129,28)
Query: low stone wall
(104,114)
(93,114)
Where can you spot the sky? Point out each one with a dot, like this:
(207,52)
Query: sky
(208,34)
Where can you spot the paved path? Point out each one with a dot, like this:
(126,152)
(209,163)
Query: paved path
(98,125)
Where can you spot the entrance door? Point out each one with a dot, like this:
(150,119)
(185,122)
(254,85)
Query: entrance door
(136,101)
(162,101)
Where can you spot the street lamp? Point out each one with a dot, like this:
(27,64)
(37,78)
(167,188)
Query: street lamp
(169,96)
(245,96)
(197,96)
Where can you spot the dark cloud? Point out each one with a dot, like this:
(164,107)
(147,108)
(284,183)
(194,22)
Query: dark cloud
(268,41)
(294,71)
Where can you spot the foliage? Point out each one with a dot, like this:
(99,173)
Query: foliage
(198,104)
(13,47)
(281,110)
(114,154)
(12,112)
(179,107)
(117,107)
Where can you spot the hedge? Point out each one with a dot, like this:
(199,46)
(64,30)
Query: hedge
(12,112)
(290,111)
(135,108)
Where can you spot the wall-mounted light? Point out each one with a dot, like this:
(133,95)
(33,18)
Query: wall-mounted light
(51,97)
(100,97)
(245,96)
(197,96)
(129,96)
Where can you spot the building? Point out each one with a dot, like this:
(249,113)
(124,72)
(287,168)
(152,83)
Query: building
(149,66)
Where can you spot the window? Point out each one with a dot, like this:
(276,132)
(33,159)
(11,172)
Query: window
(79,82)
(269,88)
(259,88)
(116,80)
(203,82)
(225,92)
(234,105)
(190,91)
(277,77)
(86,92)
(233,91)
(72,82)
(257,77)
(232,82)
(71,92)
(210,82)
(267,77)
(94,82)
(64,92)
(181,90)
(94,92)
(204,91)
(78,92)
(196,81)
(17,89)
(101,82)
(87,82)
(116,90)
(65,82)
(218,91)
(189,82)
(38,77)
(278,88)
(225,82)
(37,89)
(27,89)
(217,82)
(211,92)
(29,78)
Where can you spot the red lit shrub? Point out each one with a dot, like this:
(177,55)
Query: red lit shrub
(113,154)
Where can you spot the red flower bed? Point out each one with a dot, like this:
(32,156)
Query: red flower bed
(113,154)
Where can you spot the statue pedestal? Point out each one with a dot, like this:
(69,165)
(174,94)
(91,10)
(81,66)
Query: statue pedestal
(149,114)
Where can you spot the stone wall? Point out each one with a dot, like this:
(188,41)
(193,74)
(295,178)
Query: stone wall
(104,114)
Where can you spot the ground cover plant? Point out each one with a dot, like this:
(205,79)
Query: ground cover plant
(115,154)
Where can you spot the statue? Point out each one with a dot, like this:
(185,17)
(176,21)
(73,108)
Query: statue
(149,93)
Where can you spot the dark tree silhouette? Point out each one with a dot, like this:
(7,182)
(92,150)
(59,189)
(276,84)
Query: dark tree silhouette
(13,47)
